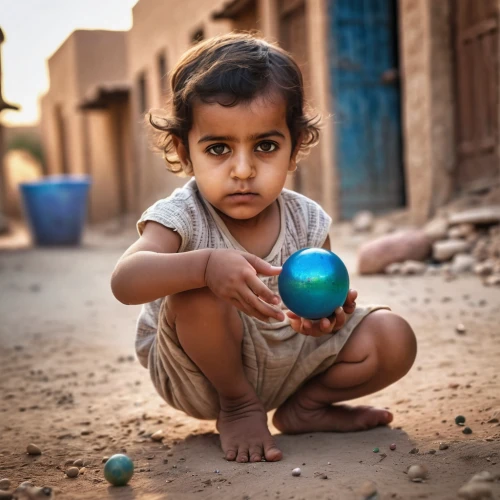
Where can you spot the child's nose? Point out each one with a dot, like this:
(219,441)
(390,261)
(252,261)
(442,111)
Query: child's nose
(242,167)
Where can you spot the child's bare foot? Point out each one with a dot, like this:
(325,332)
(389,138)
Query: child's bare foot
(244,434)
(291,418)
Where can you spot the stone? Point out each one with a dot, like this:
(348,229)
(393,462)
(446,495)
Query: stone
(394,268)
(78,462)
(5,484)
(83,470)
(413,267)
(363,221)
(476,491)
(73,472)
(296,472)
(460,328)
(461,231)
(484,268)
(374,256)
(484,475)
(445,250)
(443,446)
(157,436)
(462,263)
(367,491)
(33,449)
(436,229)
(417,473)
(492,280)
(480,215)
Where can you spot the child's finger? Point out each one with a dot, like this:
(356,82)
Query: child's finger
(352,295)
(339,318)
(292,315)
(349,309)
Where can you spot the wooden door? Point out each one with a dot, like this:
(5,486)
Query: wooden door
(476,37)
(366,96)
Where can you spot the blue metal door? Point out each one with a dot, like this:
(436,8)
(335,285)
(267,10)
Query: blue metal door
(365,93)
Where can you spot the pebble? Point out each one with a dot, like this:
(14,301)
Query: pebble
(26,484)
(431,451)
(414,451)
(460,328)
(33,449)
(484,475)
(4,484)
(392,446)
(73,472)
(443,446)
(375,450)
(83,470)
(157,436)
(475,491)
(460,420)
(367,491)
(467,430)
(104,460)
(78,462)
(296,472)
(417,473)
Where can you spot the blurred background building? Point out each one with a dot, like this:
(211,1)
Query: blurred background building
(408,90)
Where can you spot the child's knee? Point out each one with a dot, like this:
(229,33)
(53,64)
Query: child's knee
(199,304)
(396,342)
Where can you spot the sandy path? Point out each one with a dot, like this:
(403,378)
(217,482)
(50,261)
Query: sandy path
(67,385)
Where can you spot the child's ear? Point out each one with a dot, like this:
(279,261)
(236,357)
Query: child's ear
(293,159)
(182,153)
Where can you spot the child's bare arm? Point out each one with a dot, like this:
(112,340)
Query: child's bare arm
(151,268)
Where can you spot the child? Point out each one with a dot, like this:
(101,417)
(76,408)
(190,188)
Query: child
(217,340)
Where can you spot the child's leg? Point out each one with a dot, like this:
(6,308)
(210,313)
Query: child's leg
(210,332)
(381,349)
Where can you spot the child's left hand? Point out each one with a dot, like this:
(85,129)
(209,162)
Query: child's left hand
(318,328)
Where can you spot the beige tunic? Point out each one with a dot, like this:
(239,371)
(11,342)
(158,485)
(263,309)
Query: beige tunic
(276,359)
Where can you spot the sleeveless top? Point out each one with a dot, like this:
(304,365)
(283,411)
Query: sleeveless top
(303,223)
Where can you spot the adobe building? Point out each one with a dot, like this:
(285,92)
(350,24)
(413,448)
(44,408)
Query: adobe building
(408,90)
(85,119)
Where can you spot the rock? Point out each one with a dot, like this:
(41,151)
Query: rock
(104,460)
(492,280)
(4,484)
(417,473)
(73,472)
(460,328)
(367,491)
(26,484)
(443,446)
(475,491)
(394,268)
(436,229)
(296,472)
(363,221)
(480,215)
(445,250)
(484,268)
(374,256)
(78,462)
(392,446)
(33,449)
(462,263)
(83,470)
(414,451)
(484,475)
(463,231)
(157,436)
(413,267)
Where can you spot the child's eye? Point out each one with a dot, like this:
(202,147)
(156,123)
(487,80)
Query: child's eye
(217,149)
(267,147)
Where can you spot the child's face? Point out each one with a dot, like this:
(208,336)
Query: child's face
(240,155)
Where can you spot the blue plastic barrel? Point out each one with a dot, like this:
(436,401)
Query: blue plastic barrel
(56,208)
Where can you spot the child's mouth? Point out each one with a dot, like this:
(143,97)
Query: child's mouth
(243,196)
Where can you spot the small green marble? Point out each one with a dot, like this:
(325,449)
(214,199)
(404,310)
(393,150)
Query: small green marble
(118,470)
(460,420)
(375,450)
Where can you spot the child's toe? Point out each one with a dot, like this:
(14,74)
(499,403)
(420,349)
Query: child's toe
(242,455)
(271,451)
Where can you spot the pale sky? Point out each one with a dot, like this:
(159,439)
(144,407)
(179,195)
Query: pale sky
(33,30)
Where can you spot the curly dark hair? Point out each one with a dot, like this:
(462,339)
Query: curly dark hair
(229,69)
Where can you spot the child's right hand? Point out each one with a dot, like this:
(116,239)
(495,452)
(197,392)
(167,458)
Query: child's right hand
(232,275)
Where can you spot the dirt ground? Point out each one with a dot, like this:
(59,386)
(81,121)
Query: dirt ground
(70,383)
